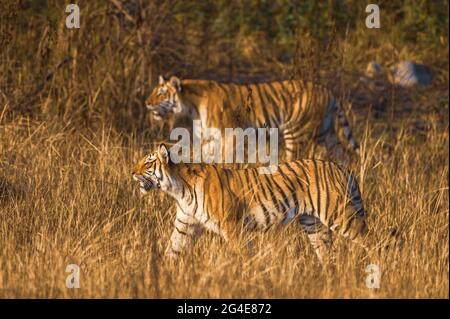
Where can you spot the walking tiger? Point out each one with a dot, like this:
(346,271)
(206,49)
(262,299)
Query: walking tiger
(306,114)
(316,195)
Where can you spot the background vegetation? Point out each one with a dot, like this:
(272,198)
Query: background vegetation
(73,122)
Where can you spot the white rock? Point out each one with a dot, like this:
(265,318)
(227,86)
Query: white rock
(408,74)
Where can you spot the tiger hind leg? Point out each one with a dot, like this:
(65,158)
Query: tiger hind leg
(319,236)
(353,225)
(335,150)
(336,136)
(376,249)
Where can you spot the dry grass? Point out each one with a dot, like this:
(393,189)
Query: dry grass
(66,194)
(67,197)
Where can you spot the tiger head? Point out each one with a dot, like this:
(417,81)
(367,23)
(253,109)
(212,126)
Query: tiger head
(153,171)
(157,171)
(164,100)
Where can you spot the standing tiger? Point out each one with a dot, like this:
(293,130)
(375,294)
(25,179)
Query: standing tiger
(316,195)
(305,114)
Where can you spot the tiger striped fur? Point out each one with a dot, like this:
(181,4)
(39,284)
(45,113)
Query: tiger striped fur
(305,114)
(316,195)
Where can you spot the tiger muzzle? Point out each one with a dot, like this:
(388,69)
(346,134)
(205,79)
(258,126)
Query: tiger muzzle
(146,185)
(161,110)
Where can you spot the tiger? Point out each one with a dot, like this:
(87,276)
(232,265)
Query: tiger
(318,196)
(306,114)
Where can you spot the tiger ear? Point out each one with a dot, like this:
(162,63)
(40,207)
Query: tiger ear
(163,153)
(175,82)
(161,80)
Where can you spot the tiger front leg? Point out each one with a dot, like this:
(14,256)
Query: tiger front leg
(186,229)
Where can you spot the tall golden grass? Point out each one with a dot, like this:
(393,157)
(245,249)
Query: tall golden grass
(72,124)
